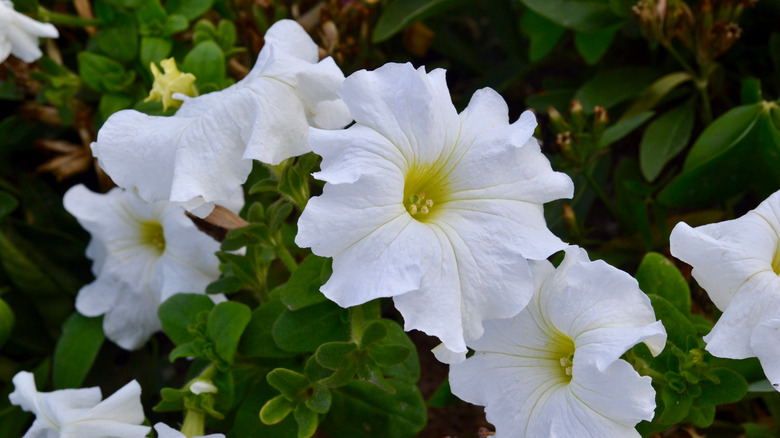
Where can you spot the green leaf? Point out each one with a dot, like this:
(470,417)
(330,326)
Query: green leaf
(190,9)
(7,320)
(7,204)
(723,134)
(388,355)
(154,49)
(320,400)
(675,407)
(751,91)
(111,103)
(119,40)
(103,74)
(306,329)
(288,382)
(375,332)
(592,46)
(175,23)
(76,350)
(303,287)
(179,312)
(390,415)
(664,138)
(249,424)
(307,421)
(443,396)
(580,15)
(257,340)
(226,324)
(611,87)
(151,19)
(189,349)
(678,327)
(409,370)
(730,388)
(226,35)
(655,92)
(23,273)
(127,4)
(276,409)
(623,127)
(401,13)
(658,276)
(542,32)
(333,355)
(207,62)
(701,416)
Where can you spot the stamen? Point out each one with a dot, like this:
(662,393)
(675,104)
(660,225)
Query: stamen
(418,204)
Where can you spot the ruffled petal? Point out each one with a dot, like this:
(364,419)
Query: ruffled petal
(133,318)
(765,343)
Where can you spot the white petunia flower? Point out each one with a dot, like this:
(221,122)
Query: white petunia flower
(19,34)
(737,262)
(203,153)
(80,413)
(437,209)
(165,431)
(555,370)
(143,254)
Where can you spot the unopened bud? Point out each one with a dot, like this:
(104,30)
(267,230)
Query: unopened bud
(577,114)
(558,122)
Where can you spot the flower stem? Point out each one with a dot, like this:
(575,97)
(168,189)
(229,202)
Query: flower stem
(66,20)
(356,321)
(193,423)
(285,256)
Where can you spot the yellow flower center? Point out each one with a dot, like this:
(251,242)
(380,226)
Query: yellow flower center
(776,259)
(425,187)
(152,236)
(562,349)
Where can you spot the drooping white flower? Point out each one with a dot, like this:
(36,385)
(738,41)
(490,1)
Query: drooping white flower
(737,262)
(204,152)
(165,431)
(555,370)
(437,209)
(80,413)
(143,254)
(19,34)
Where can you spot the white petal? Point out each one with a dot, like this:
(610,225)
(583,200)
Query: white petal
(123,406)
(5,48)
(165,431)
(755,301)
(133,318)
(25,45)
(725,255)
(765,343)
(100,428)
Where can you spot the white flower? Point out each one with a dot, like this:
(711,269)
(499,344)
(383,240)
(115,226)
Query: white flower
(737,262)
(143,253)
(555,370)
(165,431)
(204,152)
(439,210)
(19,34)
(80,413)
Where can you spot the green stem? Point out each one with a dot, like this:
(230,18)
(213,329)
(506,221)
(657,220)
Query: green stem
(701,85)
(681,60)
(194,423)
(285,256)
(66,20)
(356,321)
(655,375)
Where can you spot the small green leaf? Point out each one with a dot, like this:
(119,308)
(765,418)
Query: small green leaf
(375,332)
(664,138)
(655,92)
(675,407)
(7,320)
(151,19)
(119,40)
(623,127)
(542,32)
(76,350)
(276,409)
(207,62)
(701,416)
(257,340)
(678,327)
(303,287)
(307,421)
(175,23)
(388,355)
(400,13)
(188,349)
(226,324)
(658,276)
(7,204)
(226,34)
(580,15)
(104,74)
(723,134)
(288,382)
(306,329)
(320,400)
(333,355)
(190,9)
(180,311)
(751,91)
(154,49)
(731,387)
(111,103)
(593,45)
(611,87)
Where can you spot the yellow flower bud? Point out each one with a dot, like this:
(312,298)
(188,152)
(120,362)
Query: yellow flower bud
(169,82)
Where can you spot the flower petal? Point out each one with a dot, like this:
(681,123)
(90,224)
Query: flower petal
(765,343)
